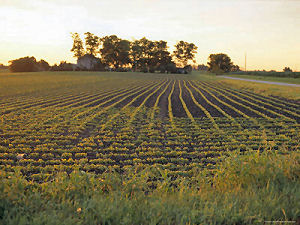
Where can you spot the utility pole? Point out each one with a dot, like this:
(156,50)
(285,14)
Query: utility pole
(245,62)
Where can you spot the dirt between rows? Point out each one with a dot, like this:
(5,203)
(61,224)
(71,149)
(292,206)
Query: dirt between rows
(211,93)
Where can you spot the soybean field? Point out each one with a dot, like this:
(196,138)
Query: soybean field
(97,122)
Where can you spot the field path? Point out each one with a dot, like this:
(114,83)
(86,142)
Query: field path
(261,81)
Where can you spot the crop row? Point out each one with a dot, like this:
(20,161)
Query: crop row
(178,124)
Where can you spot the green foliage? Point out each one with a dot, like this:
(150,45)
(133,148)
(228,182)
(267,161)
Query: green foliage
(63,66)
(103,121)
(28,64)
(115,51)
(43,65)
(151,56)
(271,74)
(184,52)
(160,57)
(287,70)
(237,193)
(3,66)
(254,169)
(91,44)
(77,48)
(98,148)
(219,63)
(235,68)
(142,55)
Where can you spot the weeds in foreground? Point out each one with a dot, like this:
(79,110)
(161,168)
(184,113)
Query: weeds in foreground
(247,188)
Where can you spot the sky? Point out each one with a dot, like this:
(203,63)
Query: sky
(268,31)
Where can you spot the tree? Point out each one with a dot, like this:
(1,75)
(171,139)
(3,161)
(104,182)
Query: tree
(147,53)
(115,51)
(188,69)
(219,63)
(123,49)
(160,56)
(63,66)
(202,67)
(2,66)
(77,48)
(91,43)
(149,56)
(25,64)
(135,54)
(235,68)
(171,67)
(28,64)
(184,52)
(287,70)
(43,65)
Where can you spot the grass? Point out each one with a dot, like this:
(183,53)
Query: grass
(259,88)
(27,83)
(169,175)
(289,80)
(4,71)
(265,89)
(13,83)
(246,188)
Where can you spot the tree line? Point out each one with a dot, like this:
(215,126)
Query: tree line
(116,54)
(3,66)
(139,55)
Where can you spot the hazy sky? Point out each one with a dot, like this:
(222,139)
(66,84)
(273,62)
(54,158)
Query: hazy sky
(268,30)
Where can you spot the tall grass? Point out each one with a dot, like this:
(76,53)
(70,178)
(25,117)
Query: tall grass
(269,73)
(245,189)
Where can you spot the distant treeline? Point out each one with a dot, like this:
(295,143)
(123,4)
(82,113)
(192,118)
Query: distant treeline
(145,55)
(28,64)
(111,53)
(272,73)
(119,54)
(3,66)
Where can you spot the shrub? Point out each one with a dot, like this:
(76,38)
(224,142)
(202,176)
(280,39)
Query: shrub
(63,66)
(2,66)
(28,64)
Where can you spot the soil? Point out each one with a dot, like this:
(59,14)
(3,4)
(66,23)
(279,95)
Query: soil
(177,108)
(163,102)
(212,110)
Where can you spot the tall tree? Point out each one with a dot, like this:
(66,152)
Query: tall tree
(160,56)
(136,54)
(184,52)
(123,50)
(25,64)
(219,63)
(235,68)
(147,53)
(115,51)
(91,43)
(77,48)
(287,69)
(2,66)
(44,66)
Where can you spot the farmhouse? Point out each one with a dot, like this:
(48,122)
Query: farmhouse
(89,62)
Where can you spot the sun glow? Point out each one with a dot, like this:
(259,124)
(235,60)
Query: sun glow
(266,30)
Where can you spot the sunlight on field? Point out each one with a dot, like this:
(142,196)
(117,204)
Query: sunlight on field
(289,80)
(265,89)
(100,121)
